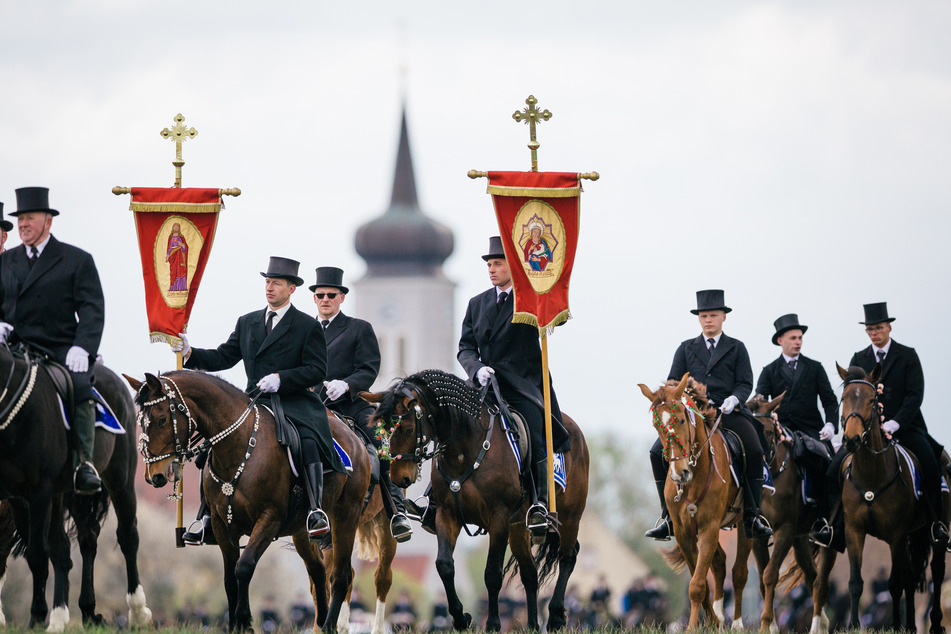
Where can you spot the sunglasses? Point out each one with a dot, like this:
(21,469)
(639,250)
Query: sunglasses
(328,295)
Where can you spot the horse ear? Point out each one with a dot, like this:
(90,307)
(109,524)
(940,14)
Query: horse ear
(875,374)
(842,371)
(372,397)
(135,383)
(646,392)
(681,386)
(154,384)
(775,403)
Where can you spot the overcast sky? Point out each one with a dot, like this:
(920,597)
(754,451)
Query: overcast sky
(794,154)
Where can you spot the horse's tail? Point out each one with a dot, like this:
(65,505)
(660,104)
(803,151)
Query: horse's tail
(92,508)
(675,559)
(920,549)
(370,537)
(545,558)
(793,575)
(10,537)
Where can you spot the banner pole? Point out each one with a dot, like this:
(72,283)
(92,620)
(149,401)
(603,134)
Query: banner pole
(546,385)
(180,483)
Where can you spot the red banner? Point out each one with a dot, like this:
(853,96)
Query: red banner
(176,228)
(539,217)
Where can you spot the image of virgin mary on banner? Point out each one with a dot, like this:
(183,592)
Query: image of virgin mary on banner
(176,228)
(539,216)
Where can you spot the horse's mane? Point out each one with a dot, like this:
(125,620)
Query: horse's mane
(697,392)
(855,373)
(450,399)
(225,385)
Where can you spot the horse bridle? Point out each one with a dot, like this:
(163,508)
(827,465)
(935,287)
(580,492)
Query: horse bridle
(420,449)
(671,435)
(866,422)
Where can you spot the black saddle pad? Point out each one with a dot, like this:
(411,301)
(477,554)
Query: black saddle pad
(735,447)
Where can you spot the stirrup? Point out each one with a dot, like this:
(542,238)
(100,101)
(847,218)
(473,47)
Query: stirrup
(819,526)
(664,521)
(406,534)
(95,474)
(320,532)
(934,525)
(532,510)
(194,537)
(413,510)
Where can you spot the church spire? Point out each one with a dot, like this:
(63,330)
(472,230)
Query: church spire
(404,180)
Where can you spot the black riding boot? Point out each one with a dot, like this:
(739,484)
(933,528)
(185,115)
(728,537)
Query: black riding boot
(318,524)
(400,528)
(202,533)
(85,479)
(755,527)
(662,530)
(537,518)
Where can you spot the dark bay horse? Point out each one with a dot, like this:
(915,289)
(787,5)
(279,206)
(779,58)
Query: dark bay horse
(878,499)
(476,481)
(249,485)
(36,474)
(702,496)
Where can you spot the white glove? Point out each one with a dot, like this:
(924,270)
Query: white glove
(826,432)
(336,388)
(836,442)
(77,360)
(483,374)
(5,330)
(269,383)
(891,426)
(182,346)
(728,405)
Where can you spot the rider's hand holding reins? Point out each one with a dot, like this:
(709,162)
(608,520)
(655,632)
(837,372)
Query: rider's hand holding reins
(826,432)
(5,330)
(890,426)
(483,375)
(77,360)
(336,388)
(728,404)
(270,383)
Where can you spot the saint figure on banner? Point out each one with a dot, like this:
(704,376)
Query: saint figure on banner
(536,250)
(177,257)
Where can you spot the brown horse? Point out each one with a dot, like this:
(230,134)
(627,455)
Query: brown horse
(878,499)
(787,514)
(475,480)
(249,485)
(36,475)
(702,496)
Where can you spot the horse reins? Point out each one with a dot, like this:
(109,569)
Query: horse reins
(868,495)
(23,392)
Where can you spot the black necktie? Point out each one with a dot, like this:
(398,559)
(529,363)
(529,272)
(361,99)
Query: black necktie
(325,323)
(33,255)
(270,321)
(713,345)
(881,356)
(502,297)
(792,365)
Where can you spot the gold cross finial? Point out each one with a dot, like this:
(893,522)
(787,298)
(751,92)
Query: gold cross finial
(179,134)
(531,115)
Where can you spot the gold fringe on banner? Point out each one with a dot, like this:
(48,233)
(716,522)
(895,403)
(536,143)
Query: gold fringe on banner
(532,320)
(161,337)
(180,208)
(529,192)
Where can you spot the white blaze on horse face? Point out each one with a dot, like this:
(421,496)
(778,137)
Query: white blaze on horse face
(665,418)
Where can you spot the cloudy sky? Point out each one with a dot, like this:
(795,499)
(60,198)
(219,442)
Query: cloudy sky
(792,153)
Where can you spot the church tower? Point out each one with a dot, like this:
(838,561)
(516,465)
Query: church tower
(405,294)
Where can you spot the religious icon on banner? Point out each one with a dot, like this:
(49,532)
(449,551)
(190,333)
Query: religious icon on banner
(178,246)
(540,235)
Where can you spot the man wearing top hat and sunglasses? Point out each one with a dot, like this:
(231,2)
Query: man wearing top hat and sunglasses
(284,354)
(353,363)
(5,227)
(723,365)
(51,299)
(805,383)
(903,390)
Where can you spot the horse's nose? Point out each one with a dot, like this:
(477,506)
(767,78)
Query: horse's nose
(404,482)
(159,480)
(686,475)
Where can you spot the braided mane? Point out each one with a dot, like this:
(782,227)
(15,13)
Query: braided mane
(449,399)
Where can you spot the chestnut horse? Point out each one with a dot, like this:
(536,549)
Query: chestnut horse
(36,475)
(701,495)
(250,487)
(878,499)
(475,481)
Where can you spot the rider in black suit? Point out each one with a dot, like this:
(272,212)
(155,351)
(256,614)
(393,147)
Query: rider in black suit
(491,344)
(51,299)
(284,354)
(723,365)
(903,390)
(353,363)
(804,382)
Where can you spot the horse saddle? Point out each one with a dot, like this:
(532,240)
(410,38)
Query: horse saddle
(737,452)
(367,442)
(62,382)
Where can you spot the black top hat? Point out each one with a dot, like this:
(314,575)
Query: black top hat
(787,322)
(33,199)
(329,276)
(6,225)
(284,268)
(710,300)
(876,314)
(496,251)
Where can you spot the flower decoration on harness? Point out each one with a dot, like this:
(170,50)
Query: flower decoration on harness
(384,431)
(671,436)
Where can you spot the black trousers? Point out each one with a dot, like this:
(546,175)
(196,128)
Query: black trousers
(535,419)
(736,422)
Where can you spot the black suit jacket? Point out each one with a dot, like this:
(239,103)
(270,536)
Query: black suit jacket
(727,373)
(799,410)
(55,305)
(903,381)
(353,356)
(489,338)
(295,349)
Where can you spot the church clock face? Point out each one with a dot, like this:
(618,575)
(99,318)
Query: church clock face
(390,312)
